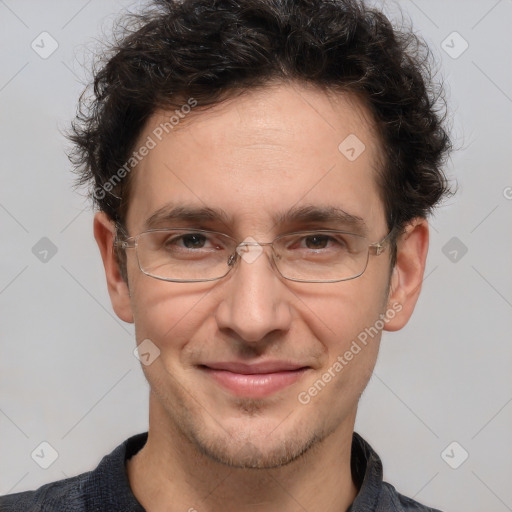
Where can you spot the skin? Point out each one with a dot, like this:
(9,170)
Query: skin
(253,155)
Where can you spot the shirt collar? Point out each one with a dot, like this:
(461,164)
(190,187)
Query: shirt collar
(366,468)
(365,465)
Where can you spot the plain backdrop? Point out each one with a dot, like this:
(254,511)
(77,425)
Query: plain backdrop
(68,374)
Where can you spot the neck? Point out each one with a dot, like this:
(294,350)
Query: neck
(170,474)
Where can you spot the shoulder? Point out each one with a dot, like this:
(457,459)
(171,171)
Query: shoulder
(392,500)
(63,495)
(375,494)
(106,488)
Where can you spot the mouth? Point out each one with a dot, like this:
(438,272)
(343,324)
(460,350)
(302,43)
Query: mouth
(254,380)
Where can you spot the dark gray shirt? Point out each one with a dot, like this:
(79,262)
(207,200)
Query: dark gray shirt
(107,489)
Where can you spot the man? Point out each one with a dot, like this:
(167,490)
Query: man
(263,171)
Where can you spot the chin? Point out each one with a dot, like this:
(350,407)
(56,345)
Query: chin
(256,444)
(247,455)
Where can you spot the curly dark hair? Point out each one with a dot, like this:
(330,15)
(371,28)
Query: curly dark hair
(211,50)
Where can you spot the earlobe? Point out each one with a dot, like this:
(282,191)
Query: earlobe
(407,275)
(104,233)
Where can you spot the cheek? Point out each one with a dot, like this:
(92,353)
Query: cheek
(346,319)
(339,312)
(167,313)
(345,324)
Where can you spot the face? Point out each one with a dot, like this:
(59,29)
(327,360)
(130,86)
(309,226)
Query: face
(255,158)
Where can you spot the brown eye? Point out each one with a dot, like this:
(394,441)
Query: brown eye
(316,241)
(193,241)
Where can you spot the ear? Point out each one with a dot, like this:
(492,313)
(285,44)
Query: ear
(104,233)
(407,276)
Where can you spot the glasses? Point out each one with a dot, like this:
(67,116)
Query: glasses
(194,255)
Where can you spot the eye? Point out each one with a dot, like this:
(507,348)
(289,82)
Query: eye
(320,241)
(191,240)
(317,241)
(309,244)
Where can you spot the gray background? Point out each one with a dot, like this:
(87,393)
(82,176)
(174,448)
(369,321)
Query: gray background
(68,375)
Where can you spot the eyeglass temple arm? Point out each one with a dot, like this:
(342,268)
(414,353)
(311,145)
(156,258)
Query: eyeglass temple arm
(121,238)
(379,247)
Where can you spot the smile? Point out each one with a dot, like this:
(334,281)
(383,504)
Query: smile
(253,382)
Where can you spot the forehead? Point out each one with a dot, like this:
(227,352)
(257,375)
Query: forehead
(258,155)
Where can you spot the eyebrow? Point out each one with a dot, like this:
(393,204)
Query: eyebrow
(309,214)
(322,214)
(171,213)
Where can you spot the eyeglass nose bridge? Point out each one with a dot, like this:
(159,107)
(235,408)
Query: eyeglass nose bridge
(233,258)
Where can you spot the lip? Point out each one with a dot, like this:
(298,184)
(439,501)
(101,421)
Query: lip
(254,380)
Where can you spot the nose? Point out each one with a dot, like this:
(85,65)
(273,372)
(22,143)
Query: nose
(255,299)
